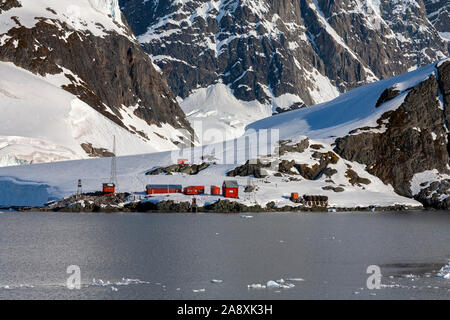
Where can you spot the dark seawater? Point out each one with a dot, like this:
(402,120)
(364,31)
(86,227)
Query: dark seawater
(176,256)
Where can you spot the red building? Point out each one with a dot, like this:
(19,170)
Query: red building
(109,189)
(215,190)
(164,188)
(193,190)
(230,189)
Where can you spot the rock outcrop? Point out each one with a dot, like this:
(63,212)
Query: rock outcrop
(99,61)
(179,168)
(439,15)
(265,49)
(415,139)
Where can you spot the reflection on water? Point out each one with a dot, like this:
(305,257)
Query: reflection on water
(218,256)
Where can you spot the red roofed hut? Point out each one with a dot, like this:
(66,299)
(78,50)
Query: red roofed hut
(230,189)
(109,189)
(215,190)
(193,190)
(164,188)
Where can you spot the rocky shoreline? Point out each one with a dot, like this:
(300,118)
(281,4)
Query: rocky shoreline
(96,202)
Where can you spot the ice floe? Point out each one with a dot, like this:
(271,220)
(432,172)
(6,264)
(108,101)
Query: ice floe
(272,284)
(216,281)
(444,272)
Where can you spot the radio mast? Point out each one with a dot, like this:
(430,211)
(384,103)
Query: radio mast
(113,178)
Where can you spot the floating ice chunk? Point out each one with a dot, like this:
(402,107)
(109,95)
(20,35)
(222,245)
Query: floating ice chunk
(295,279)
(198,290)
(123,282)
(272,284)
(444,272)
(256,286)
(279,284)
(216,281)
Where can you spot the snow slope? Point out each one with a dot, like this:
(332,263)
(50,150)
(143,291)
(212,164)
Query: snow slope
(95,16)
(45,123)
(59,179)
(352,110)
(321,123)
(217,115)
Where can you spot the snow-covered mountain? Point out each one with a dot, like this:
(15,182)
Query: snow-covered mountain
(378,145)
(439,15)
(263,56)
(73,76)
(397,128)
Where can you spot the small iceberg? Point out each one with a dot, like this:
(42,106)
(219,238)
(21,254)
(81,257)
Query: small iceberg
(256,286)
(271,284)
(444,272)
(216,281)
(295,279)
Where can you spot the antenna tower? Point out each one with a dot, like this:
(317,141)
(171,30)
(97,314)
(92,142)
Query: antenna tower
(114,165)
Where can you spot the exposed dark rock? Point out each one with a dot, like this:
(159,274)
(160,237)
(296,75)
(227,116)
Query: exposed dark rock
(311,173)
(436,195)
(286,166)
(295,106)
(335,189)
(354,178)
(226,206)
(5,5)
(329,172)
(112,70)
(96,152)
(316,146)
(163,206)
(328,157)
(250,169)
(249,189)
(180,168)
(286,146)
(402,150)
(243,54)
(387,95)
(89,202)
(439,14)
(320,168)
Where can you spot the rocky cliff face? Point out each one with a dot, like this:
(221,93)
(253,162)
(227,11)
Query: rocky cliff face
(264,49)
(410,148)
(439,14)
(90,44)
